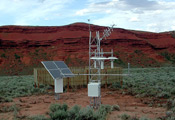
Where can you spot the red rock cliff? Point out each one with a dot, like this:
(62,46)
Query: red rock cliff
(23,47)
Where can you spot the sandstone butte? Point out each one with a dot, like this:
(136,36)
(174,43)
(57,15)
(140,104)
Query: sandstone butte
(23,47)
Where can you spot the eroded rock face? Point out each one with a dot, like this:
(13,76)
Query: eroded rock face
(23,47)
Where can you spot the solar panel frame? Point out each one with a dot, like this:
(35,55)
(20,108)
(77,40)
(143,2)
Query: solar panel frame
(67,73)
(57,69)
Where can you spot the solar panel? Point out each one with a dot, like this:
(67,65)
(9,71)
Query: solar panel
(67,73)
(49,65)
(60,64)
(55,73)
(57,69)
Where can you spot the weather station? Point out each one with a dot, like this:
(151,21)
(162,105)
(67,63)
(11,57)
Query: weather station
(97,58)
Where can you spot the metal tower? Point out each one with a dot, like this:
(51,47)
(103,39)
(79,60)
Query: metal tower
(96,61)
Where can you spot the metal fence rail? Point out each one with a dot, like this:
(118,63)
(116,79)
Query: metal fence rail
(41,76)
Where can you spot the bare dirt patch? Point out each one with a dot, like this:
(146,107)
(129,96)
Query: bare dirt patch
(39,104)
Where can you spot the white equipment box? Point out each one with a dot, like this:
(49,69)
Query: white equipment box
(94,89)
(58,85)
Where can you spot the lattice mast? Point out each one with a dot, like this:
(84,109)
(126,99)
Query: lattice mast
(96,52)
(96,63)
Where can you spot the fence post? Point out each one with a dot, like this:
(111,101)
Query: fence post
(87,77)
(35,76)
(68,85)
(106,79)
(121,78)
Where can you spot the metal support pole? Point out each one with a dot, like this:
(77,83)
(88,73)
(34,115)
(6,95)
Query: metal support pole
(128,68)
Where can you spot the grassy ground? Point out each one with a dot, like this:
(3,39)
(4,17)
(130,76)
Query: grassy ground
(155,85)
(144,83)
(17,86)
(151,82)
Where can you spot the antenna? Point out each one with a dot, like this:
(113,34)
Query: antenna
(107,32)
(89,25)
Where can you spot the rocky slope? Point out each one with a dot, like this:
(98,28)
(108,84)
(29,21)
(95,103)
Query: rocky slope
(23,47)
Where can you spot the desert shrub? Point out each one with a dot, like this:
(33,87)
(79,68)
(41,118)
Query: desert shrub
(15,110)
(171,104)
(150,82)
(164,95)
(55,107)
(60,112)
(134,118)
(17,56)
(125,117)
(74,111)
(17,86)
(173,34)
(128,117)
(138,51)
(38,117)
(86,114)
(116,85)
(103,111)
(121,63)
(3,55)
(173,91)
(171,118)
(9,108)
(168,56)
(5,99)
(59,115)
(144,118)
(115,108)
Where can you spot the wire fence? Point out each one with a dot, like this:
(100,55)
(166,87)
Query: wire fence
(41,76)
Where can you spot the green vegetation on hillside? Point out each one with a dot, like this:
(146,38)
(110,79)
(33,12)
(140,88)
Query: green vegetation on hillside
(169,56)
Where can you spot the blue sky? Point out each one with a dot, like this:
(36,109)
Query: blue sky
(147,15)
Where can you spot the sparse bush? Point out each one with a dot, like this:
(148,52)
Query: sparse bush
(104,110)
(171,118)
(74,111)
(150,82)
(173,34)
(171,104)
(138,51)
(173,91)
(116,85)
(60,112)
(164,95)
(59,115)
(125,117)
(55,107)
(38,117)
(144,118)
(17,86)
(9,108)
(3,55)
(134,118)
(17,56)
(115,108)
(120,62)
(86,114)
